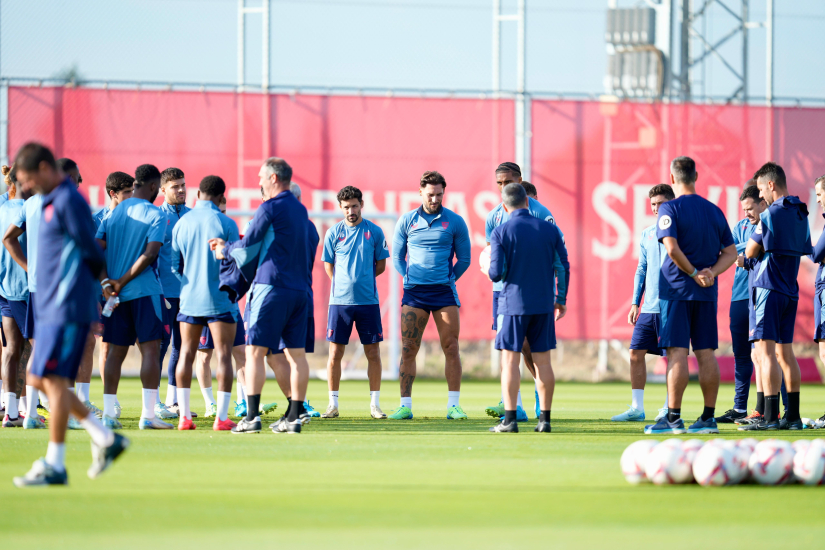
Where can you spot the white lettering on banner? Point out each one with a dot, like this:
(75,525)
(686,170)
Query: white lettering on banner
(94,197)
(732,205)
(408,200)
(457,202)
(617,250)
(321,196)
(483,202)
(642,214)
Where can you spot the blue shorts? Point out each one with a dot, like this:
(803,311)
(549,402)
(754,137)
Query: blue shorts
(430,297)
(140,319)
(646,334)
(310,342)
(772,317)
(819,316)
(686,323)
(495,309)
(28,325)
(59,349)
(227,317)
(367,319)
(276,314)
(206,337)
(539,329)
(15,309)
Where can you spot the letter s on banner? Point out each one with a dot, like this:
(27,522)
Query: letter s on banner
(601,194)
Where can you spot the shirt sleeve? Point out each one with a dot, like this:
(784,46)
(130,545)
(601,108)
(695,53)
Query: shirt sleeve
(756,236)
(157,230)
(463,248)
(246,250)
(488,227)
(641,275)
(177,253)
(101,230)
(399,247)
(498,263)
(80,229)
(563,276)
(819,250)
(382,251)
(20,220)
(328,255)
(666,224)
(727,236)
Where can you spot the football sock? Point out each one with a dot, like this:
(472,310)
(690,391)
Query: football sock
(72,390)
(100,434)
(452,398)
(23,405)
(56,456)
(253,405)
(43,399)
(83,391)
(545,416)
(374,397)
(223,405)
(241,392)
(171,395)
(674,414)
(333,399)
(793,406)
(300,407)
(157,396)
(109,405)
(1,393)
(148,410)
(31,403)
(760,402)
(288,407)
(406,402)
(708,413)
(509,416)
(183,402)
(638,399)
(741,410)
(208,396)
(518,400)
(11,405)
(771,408)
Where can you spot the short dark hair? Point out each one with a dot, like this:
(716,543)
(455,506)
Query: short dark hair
(662,189)
(530,188)
(509,167)
(146,173)
(772,172)
(170,174)
(118,181)
(683,169)
(820,179)
(31,155)
(65,164)
(513,195)
(212,186)
(349,192)
(280,168)
(751,192)
(431,177)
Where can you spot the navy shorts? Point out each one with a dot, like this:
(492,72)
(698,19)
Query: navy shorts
(539,329)
(28,325)
(819,316)
(772,317)
(276,314)
(430,297)
(367,319)
(310,342)
(646,333)
(686,323)
(495,309)
(15,309)
(206,337)
(227,317)
(59,349)
(140,319)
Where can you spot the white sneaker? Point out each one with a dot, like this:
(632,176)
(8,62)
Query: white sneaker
(630,415)
(376,412)
(161,411)
(154,424)
(74,424)
(92,409)
(331,412)
(662,414)
(118,410)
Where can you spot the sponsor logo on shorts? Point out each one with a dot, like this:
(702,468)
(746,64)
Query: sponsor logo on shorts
(48,213)
(665,222)
(203,340)
(166,328)
(380,334)
(329,333)
(751,332)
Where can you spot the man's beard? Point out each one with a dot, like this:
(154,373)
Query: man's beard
(430,210)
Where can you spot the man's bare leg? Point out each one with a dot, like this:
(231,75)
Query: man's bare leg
(203,371)
(336,354)
(112,369)
(13,369)
(84,373)
(223,336)
(149,376)
(413,323)
(677,378)
(793,380)
(448,323)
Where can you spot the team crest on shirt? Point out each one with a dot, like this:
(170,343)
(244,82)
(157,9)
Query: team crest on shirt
(341,237)
(758,228)
(445,225)
(367,234)
(48,213)
(550,219)
(385,245)
(665,222)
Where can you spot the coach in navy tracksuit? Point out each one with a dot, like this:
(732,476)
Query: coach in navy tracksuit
(522,255)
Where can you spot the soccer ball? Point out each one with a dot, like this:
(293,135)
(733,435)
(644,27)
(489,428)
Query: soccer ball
(668,464)
(772,462)
(809,462)
(691,447)
(748,443)
(484,259)
(713,465)
(740,456)
(634,458)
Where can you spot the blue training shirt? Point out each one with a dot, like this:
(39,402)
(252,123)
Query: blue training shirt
(4,197)
(701,230)
(195,265)
(424,246)
(354,251)
(127,231)
(646,280)
(818,257)
(522,252)
(70,260)
(168,280)
(14,284)
(742,232)
(29,221)
(785,235)
(101,215)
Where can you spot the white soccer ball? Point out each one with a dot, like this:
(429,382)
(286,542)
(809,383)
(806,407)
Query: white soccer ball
(713,465)
(691,447)
(740,457)
(772,462)
(809,462)
(748,443)
(484,259)
(667,464)
(634,458)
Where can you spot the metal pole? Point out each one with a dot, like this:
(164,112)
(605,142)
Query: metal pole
(496,47)
(522,109)
(745,51)
(241,44)
(265,39)
(769,54)
(684,51)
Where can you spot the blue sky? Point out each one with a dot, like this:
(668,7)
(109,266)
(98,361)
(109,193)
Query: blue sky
(380,43)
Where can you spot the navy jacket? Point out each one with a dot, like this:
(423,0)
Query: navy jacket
(522,255)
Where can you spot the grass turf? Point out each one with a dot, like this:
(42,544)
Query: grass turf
(354,482)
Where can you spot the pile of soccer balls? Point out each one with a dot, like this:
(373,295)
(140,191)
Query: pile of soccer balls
(725,462)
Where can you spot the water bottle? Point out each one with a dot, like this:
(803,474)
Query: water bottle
(110,306)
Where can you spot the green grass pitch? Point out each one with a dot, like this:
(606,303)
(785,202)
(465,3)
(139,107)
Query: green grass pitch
(429,483)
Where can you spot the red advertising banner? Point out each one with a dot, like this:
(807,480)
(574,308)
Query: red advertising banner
(593,164)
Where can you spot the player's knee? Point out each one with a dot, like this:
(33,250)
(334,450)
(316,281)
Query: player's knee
(449,346)
(637,355)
